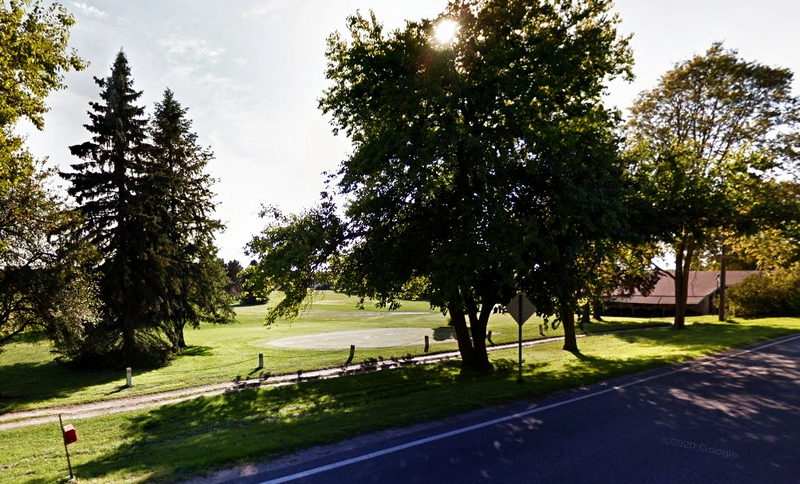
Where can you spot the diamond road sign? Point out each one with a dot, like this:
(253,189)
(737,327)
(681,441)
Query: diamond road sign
(521,308)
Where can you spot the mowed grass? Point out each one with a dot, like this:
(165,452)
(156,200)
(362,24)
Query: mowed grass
(185,439)
(30,378)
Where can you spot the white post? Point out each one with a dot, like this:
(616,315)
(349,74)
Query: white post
(129,376)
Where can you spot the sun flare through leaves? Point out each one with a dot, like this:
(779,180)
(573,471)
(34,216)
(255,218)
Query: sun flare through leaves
(445,31)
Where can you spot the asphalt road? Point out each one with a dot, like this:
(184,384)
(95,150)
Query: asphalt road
(728,419)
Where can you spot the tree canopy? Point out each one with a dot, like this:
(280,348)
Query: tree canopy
(42,284)
(706,137)
(481,167)
(36,54)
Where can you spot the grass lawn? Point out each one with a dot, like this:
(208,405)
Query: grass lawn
(29,378)
(176,441)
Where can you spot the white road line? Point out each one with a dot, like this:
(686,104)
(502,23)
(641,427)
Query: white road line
(488,423)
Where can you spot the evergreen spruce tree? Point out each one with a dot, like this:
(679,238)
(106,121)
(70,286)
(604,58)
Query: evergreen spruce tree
(107,186)
(179,204)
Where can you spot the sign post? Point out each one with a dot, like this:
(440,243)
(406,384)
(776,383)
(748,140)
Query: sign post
(521,309)
(69,435)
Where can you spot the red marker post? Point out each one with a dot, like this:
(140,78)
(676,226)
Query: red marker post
(70,435)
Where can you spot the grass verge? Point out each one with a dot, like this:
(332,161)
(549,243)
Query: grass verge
(180,440)
(29,378)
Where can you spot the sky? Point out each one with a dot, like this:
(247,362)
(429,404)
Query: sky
(251,71)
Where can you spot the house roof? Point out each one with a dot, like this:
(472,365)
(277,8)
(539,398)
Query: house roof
(701,284)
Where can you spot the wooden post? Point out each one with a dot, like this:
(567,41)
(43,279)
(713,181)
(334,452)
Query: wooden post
(261,360)
(427,343)
(129,377)
(66,449)
(489,338)
(352,354)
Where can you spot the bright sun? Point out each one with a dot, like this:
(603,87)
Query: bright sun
(445,31)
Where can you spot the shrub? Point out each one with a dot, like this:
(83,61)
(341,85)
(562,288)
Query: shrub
(775,293)
(100,346)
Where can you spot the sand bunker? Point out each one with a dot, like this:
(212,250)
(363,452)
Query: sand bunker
(365,338)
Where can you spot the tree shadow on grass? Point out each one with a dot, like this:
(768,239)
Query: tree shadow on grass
(177,440)
(600,327)
(196,350)
(24,383)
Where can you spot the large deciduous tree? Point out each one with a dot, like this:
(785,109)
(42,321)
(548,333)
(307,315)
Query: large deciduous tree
(773,239)
(42,283)
(481,165)
(706,137)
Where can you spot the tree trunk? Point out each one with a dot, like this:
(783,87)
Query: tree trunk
(586,315)
(597,310)
(683,263)
(179,330)
(680,299)
(723,268)
(478,321)
(567,315)
(128,340)
(459,321)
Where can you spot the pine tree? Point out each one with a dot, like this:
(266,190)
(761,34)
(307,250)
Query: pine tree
(106,187)
(178,200)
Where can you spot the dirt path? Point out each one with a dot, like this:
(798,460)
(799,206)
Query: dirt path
(118,405)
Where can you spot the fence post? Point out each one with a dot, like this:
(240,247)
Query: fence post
(427,343)
(129,377)
(261,360)
(352,354)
